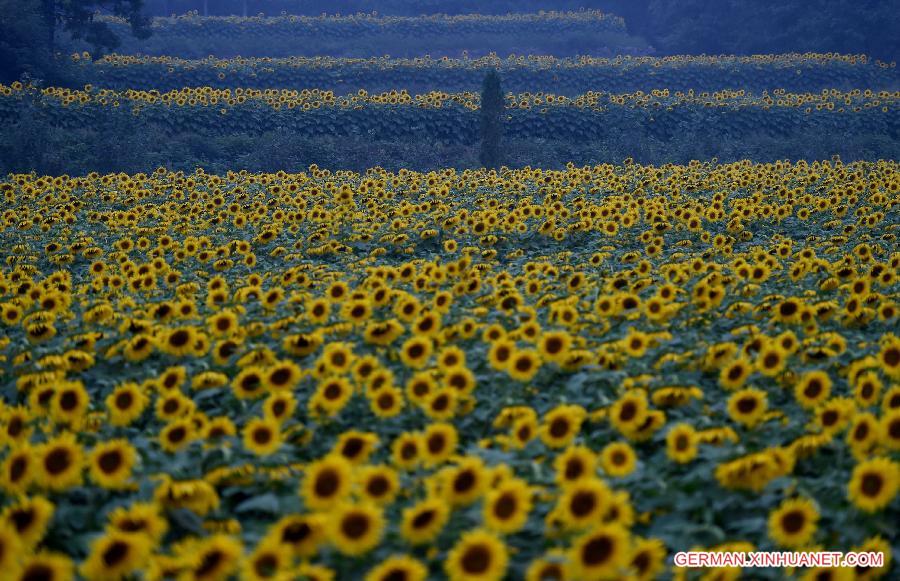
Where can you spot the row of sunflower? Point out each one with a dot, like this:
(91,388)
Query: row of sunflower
(517,374)
(797,73)
(452,118)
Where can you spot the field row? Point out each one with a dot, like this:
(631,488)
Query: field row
(453,118)
(569,374)
(567,76)
(355,35)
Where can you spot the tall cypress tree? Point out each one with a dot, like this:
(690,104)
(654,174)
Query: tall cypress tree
(492,108)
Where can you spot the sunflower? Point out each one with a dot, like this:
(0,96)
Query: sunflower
(70,403)
(111,462)
(214,558)
(332,395)
(747,406)
(501,353)
(793,523)
(387,402)
(863,434)
(466,482)
(461,379)
(890,430)
(867,388)
(318,310)
(734,374)
(635,344)
(398,568)
(681,443)
(15,426)
(600,554)
(301,345)
(506,507)
(647,558)
(618,459)
(889,357)
(338,358)
(116,555)
(478,555)
(262,436)
(357,311)
(524,364)
(326,482)
(302,534)
(311,572)
(10,548)
(355,529)
(406,450)
(441,405)
(284,375)
(280,406)
(269,560)
(428,324)
(383,333)
(561,425)
(250,383)
(523,431)
(555,345)
(176,435)
(451,358)
(416,351)
(439,442)
(875,544)
(573,464)
(29,518)
(874,484)
(173,405)
(378,484)
(172,378)
(356,446)
(60,463)
(223,324)
(143,518)
(583,503)
(19,469)
(179,341)
(45,566)
(771,359)
(629,412)
(126,404)
(423,522)
(219,427)
(550,567)
(813,388)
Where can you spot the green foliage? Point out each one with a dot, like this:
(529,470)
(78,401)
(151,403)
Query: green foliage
(561,76)
(364,34)
(491,117)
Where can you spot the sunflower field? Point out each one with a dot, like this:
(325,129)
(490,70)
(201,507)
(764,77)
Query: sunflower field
(470,374)
(795,73)
(453,117)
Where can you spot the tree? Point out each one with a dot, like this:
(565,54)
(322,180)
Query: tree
(20,25)
(77,18)
(492,108)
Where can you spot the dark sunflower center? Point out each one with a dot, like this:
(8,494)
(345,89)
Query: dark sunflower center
(583,503)
(476,560)
(355,526)
(57,461)
(597,551)
(110,461)
(327,483)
